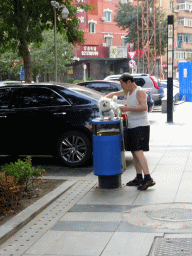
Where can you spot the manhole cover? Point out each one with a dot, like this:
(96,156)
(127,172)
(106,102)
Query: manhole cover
(160,218)
(171,214)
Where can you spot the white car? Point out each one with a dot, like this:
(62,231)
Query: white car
(175,88)
(147,82)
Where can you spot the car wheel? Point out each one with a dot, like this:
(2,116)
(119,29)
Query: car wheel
(74,148)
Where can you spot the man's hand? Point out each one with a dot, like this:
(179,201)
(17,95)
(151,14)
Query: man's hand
(124,108)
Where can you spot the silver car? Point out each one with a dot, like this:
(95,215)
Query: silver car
(149,83)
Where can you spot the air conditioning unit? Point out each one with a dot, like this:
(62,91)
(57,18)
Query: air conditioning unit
(104,44)
(103,18)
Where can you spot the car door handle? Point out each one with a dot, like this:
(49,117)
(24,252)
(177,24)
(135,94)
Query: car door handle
(61,113)
(3,116)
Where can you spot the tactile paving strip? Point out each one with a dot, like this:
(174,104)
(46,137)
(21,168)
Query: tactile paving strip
(28,235)
(172,247)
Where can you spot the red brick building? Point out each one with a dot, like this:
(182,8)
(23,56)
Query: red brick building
(105,51)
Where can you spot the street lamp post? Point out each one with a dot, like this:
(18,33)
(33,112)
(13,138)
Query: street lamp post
(64,15)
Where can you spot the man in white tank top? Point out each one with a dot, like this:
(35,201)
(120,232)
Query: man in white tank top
(137,133)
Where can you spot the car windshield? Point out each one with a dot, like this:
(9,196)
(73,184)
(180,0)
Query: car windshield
(85,91)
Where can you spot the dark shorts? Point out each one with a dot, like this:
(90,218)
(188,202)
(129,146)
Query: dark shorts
(137,138)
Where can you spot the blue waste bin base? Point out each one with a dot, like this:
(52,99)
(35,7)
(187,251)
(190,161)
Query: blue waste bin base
(109,181)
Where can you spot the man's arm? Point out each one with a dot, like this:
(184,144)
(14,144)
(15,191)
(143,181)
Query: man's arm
(119,93)
(142,98)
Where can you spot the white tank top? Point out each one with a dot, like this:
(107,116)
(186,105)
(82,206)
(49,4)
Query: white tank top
(136,119)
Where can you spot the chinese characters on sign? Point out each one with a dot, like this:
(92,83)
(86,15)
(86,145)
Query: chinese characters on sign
(89,51)
(82,15)
(92,51)
(170,52)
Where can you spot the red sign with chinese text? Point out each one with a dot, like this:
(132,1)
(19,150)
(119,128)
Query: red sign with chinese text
(82,15)
(92,51)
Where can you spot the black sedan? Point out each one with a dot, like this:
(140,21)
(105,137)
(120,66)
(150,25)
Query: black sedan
(47,119)
(112,86)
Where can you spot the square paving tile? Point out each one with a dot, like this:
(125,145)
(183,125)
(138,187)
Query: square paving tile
(130,244)
(79,243)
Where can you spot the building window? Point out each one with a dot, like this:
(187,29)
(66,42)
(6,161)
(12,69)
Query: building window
(187,22)
(123,41)
(186,6)
(181,38)
(108,40)
(181,55)
(180,21)
(108,14)
(181,6)
(92,26)
(188,55)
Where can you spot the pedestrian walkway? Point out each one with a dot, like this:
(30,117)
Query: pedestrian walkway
(87,220)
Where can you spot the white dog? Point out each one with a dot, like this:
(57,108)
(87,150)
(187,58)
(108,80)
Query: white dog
(108,107)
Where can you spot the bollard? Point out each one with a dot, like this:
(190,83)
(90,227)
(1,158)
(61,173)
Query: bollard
(107,152)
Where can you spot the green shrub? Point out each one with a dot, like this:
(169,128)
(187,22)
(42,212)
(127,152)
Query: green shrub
(22,171)
(70,80)
(91,78)
(77,81)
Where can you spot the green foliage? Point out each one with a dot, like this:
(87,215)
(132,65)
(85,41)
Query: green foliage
(90,79)
(43,55)
(126,18)
(14,179)
(77,81)
(22,171)
(7,61)
(25,20)
(70,80)
(22,23)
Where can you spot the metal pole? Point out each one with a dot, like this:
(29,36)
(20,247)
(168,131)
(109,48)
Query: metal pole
(55,39)
(170,51)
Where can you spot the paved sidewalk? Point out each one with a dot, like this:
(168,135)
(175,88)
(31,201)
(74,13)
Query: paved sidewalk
(86,220)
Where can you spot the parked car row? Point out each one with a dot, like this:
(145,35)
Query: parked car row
(48,119)
(108,86)
(52,119)
(147,82)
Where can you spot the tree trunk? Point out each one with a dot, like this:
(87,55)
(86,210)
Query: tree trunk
(27,62)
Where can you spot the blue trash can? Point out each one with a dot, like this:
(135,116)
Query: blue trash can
(107,152)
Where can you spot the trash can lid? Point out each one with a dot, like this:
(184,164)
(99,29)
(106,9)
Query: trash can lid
(105,121)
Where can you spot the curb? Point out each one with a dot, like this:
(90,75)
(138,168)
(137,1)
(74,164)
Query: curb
(9,228)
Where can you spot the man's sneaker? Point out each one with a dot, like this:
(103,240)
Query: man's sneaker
(145,184)
(134,182)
